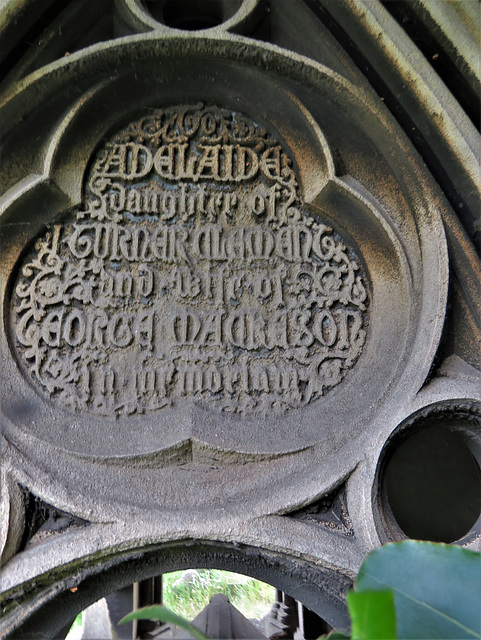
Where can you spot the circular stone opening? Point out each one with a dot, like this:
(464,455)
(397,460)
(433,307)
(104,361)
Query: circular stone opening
(430,480)
(191,15)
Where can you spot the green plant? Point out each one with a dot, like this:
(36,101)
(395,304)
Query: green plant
(187,598)
(412,589)
(417,590)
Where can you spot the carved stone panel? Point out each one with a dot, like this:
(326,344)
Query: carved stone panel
(224,281)
(190,271)
(221,293)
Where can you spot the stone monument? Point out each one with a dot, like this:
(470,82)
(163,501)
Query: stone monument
(232,293)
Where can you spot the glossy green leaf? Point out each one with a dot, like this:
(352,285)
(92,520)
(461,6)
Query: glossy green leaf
(158,612)
(372,615)
(436,587)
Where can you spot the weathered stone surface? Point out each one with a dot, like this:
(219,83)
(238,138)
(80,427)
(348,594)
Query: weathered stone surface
(224,284)
(191,270)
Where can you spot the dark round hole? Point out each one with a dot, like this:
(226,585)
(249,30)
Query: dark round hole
(432,483)
(190,15)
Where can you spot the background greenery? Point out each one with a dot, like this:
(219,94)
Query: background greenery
(188,597)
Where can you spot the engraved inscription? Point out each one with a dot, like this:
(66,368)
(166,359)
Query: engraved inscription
(191,271)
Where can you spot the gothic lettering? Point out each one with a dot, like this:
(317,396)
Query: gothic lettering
(191,271)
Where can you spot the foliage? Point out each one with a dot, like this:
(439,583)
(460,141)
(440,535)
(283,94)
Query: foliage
(372,615)
(187,598)
(435,589)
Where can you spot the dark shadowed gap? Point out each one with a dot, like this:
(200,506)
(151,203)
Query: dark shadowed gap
(433,484)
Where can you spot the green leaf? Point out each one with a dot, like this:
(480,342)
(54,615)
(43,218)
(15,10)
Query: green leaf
(436,588)
(158,612)
(372,615)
